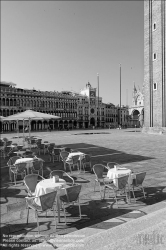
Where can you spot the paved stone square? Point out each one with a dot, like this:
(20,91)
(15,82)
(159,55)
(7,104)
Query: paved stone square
(129,147)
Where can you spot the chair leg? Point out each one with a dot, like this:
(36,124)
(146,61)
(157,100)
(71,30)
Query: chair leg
(37,221)
(79,208)
(133,194)
(27,214)
(15,179)
(116,199)
(100,190)
(95,186)
(64,212)
(143,192)
(54,218)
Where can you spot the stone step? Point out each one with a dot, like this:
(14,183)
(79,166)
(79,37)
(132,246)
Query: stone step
(107,238)
(62,241)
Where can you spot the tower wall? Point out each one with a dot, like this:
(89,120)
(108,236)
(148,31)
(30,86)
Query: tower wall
(154,69)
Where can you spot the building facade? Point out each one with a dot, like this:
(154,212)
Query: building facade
(154,65)
(136,110)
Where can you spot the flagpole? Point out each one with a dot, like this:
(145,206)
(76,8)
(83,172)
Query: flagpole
(98,116)
(120,99)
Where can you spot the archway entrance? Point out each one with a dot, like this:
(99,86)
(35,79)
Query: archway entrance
(92,121)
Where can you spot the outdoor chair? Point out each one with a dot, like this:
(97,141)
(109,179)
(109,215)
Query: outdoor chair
(52,145)
(47,203)
(28,152)
(31,181)
(2,148)
(10,164)
(33,143)
(98,170)
(69,150)
(73,161)
(41,148)
(86,161)
(8,143)
(18,169)
(112,164)
(63,156)
(72,195)
(63,175)
(119,186)
(137,183)
(56,154)
(34,151)
(37,167)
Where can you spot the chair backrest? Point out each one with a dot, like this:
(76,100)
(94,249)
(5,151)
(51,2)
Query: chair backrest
(57,172)
(98,169)
(111,164)
(122,181)
(87,158)
(2,143)
(57,151)
(45,141)
(52,145)
(5,139)
(28,152)
(29,156)
(75,159)
(68,150)
(12,160)
(47,200)
(73,192)
(37,165)
(21,167)
(8,143)
(64,155)
(140,178)
(30,181)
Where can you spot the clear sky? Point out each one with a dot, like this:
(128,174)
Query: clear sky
(62,45)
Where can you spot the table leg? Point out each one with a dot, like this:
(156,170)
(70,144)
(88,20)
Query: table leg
(58,208)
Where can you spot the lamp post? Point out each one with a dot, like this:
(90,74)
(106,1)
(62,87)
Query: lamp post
(120,99)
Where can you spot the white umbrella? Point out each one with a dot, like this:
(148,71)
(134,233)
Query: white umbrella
(30,115)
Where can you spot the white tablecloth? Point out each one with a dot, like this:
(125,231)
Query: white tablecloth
(29,163)
(113,174)
(81,155)
(22,152)
(47,186)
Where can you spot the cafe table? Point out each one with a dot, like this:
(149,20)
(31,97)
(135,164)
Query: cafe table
(29,163)
(20,153)
(116,172)
(49,185)
(81,156)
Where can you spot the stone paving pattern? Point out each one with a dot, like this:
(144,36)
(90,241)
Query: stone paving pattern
(129,147)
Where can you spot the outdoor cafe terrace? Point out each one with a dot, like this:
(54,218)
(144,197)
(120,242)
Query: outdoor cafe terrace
(131,153)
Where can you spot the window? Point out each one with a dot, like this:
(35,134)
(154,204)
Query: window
(154,86)
(154,56)
(154,26)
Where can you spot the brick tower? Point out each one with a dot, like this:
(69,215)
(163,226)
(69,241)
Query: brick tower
(154,66)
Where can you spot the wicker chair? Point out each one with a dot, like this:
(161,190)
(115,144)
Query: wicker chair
(72,195)
(137,183)
(120,186)
(86,161)
(98,170)
(47,203)
(63,175)
(18,169)
(37,167)
(73,161)
(10,164)
(31,181)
